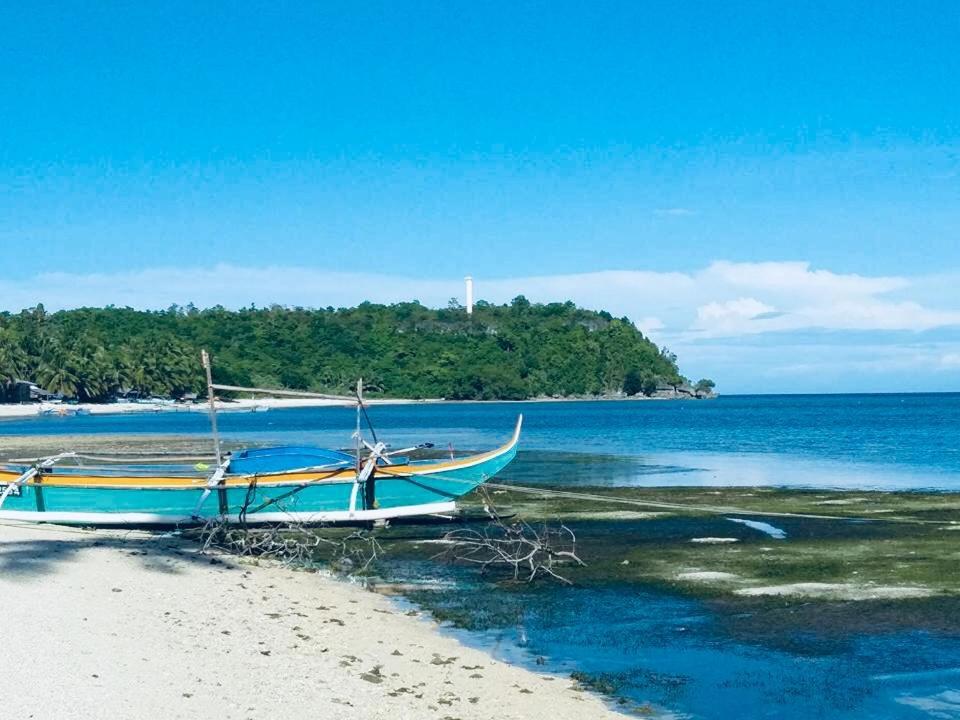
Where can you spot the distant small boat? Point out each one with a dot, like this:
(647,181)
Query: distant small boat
(241,409)
(62,411)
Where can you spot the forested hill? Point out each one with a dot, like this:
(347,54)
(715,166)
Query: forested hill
(513,351)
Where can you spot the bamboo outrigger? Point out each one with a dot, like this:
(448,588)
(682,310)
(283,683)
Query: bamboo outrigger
(256,486)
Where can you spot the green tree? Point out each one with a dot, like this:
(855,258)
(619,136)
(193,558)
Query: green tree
(58,372)
(704,386)
(13,360)
(517,350)
(633,382)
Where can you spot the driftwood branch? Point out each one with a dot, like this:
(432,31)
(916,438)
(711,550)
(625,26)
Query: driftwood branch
(294,545)
(524,551)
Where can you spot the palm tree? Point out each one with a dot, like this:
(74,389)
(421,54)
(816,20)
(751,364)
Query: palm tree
(13,360)
(58,370)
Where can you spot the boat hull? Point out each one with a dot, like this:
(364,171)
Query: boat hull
(305,496)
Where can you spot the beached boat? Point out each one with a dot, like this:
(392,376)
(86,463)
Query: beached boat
(256,486)
(270,485)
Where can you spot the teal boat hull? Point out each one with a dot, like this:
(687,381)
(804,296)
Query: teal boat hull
(305,496)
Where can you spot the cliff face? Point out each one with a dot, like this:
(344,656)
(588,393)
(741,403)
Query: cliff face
(682,392)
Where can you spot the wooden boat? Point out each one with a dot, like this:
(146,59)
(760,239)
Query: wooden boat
(258,486)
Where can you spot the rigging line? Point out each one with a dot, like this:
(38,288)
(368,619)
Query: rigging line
(122,457)
(270,501)
(118,533)
(718,510)
(277,391)
(548,492)
(143,458)
(366,417)
(251,494)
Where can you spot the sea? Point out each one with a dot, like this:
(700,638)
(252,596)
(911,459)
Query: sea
(883,441)
(659,651)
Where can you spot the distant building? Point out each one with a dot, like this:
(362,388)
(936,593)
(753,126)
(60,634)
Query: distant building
(21,391)
(469,282)
(126,394)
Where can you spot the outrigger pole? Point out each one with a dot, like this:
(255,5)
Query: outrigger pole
(205,357)
(288,393)
(211,398)
(357,436)
(365,467)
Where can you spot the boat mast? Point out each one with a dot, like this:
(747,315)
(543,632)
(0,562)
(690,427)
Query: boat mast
(205,357)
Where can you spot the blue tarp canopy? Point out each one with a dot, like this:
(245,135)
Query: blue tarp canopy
(279,459)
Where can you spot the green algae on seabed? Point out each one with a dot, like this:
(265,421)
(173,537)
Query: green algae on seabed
(660,623)
(834,604)
(838,545)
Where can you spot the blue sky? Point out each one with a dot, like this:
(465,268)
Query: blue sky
(775,186)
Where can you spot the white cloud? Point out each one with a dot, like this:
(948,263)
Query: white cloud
(809,299)
(649,325)
(732,313)
(790,278)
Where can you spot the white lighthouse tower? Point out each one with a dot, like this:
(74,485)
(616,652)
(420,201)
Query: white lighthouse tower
(469,281)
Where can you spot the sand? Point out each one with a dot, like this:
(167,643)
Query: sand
(15,410)
(110,625)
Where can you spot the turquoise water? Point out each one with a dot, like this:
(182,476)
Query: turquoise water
(845,441)
(685,657)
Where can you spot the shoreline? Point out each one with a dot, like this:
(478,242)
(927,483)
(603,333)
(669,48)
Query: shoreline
(130,630)
(27,410)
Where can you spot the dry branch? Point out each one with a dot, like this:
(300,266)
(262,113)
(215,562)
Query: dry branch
(295,545)
(523,550)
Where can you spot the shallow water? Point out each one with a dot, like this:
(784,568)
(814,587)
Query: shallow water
(766,528)
(680,655)
(706,658)
(683,657)
(842,441)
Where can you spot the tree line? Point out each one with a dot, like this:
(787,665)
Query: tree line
(513,351)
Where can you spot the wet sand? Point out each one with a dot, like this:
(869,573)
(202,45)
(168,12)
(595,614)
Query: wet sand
(101,624)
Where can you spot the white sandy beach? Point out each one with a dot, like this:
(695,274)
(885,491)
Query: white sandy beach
(15,410)
(114,625)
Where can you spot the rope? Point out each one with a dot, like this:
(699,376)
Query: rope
(307,483)
(128,458)
(369,484)
(132,458)
(86,530)
(248,498)
(289,393)
(714,509)
(366,417)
